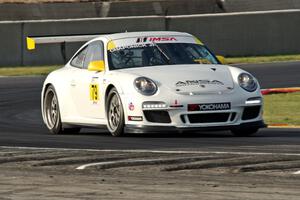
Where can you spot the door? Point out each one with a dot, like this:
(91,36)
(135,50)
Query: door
(86,85)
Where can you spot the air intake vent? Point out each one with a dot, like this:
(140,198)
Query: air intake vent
(157,116)
(251,112)
(208,118)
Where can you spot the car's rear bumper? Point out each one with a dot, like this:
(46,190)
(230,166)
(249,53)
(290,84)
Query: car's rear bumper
(159,129)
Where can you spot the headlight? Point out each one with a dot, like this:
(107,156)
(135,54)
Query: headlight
(145,86)
(247,82)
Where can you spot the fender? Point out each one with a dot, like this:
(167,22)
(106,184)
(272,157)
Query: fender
(58,80)
(121,86)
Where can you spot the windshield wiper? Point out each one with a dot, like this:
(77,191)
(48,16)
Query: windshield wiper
(162,52)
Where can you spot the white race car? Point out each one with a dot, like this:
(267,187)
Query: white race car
(148,82)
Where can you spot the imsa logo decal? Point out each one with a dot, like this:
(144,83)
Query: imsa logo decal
(155,39)
(198,82)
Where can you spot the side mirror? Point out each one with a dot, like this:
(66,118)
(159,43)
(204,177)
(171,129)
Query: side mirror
(221,59)
(96,65)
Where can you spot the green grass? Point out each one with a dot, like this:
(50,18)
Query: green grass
(26,71)
(262,59)
(282,108)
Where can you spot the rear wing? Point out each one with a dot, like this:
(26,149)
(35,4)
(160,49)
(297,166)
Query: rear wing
(33,41)
(62,40)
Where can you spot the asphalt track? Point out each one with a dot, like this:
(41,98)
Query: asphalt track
(21,124)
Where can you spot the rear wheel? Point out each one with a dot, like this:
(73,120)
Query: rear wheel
(244,132)
(52,114)
(115,113)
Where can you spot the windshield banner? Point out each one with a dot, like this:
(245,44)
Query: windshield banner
(138,42)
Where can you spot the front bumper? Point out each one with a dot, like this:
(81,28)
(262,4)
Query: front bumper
(129,128)
(177,113)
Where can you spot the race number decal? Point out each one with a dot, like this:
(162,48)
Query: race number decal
(94,92)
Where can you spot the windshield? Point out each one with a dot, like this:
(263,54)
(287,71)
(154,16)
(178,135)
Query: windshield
(153,54)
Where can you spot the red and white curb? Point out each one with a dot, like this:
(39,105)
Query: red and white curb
(279,90)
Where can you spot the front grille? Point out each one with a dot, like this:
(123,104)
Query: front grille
(251,112)
(208,118)
(157,116)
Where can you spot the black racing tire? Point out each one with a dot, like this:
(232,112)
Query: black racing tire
(244,132)
(52,113)
(115,113)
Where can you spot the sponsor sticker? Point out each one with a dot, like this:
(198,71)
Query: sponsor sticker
(133,46)
(155,39)
(198,82)
(135,118)
(176,104)
(94,92)
(209,106)
(131,106)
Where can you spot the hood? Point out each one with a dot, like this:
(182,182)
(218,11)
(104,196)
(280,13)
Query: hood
(189,79)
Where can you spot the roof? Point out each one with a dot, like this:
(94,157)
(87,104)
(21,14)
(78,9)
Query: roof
(116,36)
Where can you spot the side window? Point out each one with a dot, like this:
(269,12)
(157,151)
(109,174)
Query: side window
(95,52)
(78,60)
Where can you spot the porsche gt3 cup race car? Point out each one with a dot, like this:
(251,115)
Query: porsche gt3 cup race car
(148,82)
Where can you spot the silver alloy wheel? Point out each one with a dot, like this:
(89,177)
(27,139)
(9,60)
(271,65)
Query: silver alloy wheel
(51,109)
(114,112)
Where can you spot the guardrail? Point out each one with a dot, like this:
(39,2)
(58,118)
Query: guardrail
(231,34)
(245,34)
(36,10)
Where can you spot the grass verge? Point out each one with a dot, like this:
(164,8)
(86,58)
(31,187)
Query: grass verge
(26,71)
(282,108)
(262,59)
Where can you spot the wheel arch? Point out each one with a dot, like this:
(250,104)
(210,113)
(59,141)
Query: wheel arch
(50,81)
(46,86)
(108,89)
(111,91)
(120,92)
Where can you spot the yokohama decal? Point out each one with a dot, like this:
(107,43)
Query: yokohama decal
(209,106)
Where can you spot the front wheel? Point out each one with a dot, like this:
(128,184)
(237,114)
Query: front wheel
(115,113)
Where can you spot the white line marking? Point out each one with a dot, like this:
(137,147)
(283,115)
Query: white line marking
(149,151)
(155,151)
(94,164)
(116,162)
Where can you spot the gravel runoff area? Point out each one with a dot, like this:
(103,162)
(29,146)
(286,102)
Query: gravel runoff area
(67,174)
